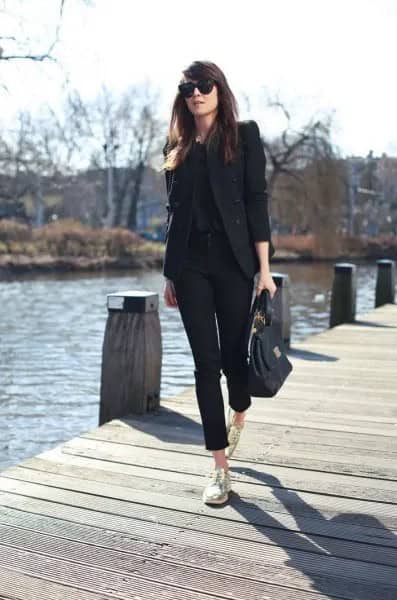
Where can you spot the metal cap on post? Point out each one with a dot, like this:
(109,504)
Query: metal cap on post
(131,355)
(344,294)
(282,305)
(138,301)
(385,282)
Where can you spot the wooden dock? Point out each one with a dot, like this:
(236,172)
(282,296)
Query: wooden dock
(117,512)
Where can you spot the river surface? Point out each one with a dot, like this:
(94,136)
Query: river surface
(51,334)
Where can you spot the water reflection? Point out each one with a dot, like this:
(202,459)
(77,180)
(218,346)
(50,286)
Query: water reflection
(51,335)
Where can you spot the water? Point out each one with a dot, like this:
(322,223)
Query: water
(51,335)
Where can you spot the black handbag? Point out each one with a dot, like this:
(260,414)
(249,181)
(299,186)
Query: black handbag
(268,365)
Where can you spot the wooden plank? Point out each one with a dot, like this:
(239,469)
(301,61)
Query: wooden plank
(223,552)
(337,399)
(170,567)
(269,565)
(311,520)
(19,586)
(116,584)
(214,543)
(189,486)
(378,407)
(149,535)
(160,458)
(249,479)
(338,378)
(306,360)
(252,445)
(373,355)
(79,492)
(339,389)
(300,480)
(380,469)
(329,422)
(318,405)
(167,426)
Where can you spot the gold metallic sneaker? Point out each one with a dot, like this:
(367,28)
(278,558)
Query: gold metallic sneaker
(218,488)
(233,432)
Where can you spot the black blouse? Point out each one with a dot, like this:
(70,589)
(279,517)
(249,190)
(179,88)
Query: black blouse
(206,216)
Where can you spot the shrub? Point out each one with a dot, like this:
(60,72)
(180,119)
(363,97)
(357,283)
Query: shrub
(301,244)
(119,241)
(69,238)
(383,246)
(14,231)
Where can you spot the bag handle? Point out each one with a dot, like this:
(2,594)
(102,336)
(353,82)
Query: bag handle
(262,307)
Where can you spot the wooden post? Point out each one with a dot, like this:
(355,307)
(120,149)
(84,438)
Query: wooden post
(385,282)
(344,294)
(282,305)
(131,355)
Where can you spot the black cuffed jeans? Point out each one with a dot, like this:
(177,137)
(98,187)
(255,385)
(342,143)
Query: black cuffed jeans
(214,298)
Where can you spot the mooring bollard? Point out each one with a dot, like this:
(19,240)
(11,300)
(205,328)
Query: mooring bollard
(344,294)
(131,355)
(282,305)
(385,282)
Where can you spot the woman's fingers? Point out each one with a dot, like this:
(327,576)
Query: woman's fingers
(173,295)
(173,299)
(169,295)
(271,288)
(170,301)
(166,296)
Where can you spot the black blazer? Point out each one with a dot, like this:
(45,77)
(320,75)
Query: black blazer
(240,192)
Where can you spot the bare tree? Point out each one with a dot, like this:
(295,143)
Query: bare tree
(306,161)
(119,135)
(26,157)
(295,148)
(19,46)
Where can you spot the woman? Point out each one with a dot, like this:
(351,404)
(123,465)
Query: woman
(217,241)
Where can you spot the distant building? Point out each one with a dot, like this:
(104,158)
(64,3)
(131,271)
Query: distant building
(372,195)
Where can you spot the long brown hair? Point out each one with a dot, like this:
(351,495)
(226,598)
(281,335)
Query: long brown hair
(181,130)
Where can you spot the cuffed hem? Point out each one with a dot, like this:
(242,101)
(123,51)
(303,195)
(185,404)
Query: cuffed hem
(217,448)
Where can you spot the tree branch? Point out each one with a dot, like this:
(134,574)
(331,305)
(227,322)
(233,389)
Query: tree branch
(35,57)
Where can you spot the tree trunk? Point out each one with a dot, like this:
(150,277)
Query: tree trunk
(131,222)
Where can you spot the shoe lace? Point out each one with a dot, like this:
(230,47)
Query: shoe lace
(217,475)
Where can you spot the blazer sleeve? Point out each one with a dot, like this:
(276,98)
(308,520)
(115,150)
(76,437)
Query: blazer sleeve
(256,195)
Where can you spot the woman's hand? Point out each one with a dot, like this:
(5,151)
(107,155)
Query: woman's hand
(169,294)
(265,282)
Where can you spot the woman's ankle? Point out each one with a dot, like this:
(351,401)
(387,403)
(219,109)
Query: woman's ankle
(224,466)
(220,459)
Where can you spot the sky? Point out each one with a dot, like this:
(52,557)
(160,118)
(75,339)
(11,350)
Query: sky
(317,57)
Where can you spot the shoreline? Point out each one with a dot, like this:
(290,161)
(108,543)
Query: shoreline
(14,265)
(68,246)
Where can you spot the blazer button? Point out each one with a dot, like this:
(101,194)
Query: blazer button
(234,179)
(237,221)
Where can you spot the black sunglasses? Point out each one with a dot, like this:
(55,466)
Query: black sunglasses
(204,86)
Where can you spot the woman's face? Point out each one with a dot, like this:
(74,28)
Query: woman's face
(202,104)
